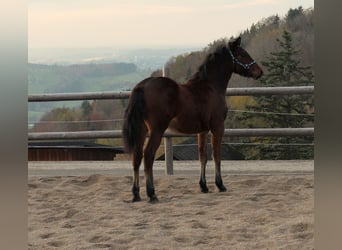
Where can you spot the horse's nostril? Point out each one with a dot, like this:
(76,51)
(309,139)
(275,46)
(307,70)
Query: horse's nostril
(258,75)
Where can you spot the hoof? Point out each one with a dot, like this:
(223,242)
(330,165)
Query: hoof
(204,190)
(135,199)
(219,185)
(222,189)
(204,187)
(151,194)
(136,194)
(153,199)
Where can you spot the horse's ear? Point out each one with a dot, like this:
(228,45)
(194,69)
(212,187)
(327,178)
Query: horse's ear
(238,41)
(235,43)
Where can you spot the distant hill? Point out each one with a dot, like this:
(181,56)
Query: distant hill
(83,77)
(78,78)
(144,58)
(89,69)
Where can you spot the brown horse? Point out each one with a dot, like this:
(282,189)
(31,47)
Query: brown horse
(198,106)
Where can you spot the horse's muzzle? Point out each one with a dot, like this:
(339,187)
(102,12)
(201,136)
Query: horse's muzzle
(256,72)
(258,75)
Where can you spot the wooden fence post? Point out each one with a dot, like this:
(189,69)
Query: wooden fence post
(168,155)
(168,146)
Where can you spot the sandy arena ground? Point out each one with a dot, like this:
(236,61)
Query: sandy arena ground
(77,205)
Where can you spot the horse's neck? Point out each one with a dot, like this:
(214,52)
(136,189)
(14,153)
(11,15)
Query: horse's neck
(220,81)
(217,77)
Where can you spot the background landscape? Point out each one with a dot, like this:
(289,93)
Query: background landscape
(115,69)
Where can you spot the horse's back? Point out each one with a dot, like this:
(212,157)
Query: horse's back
(158,83)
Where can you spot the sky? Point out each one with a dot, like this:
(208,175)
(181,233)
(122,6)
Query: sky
(145,23)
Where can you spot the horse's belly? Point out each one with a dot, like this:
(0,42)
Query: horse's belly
(188,126)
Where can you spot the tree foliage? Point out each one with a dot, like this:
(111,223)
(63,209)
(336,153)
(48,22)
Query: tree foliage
(293,111)
(260,39)
(95,115)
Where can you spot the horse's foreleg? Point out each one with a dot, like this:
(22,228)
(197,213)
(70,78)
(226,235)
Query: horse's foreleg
(216,140)
(203,158)
(149,154)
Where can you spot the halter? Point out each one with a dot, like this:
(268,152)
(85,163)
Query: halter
(244,65)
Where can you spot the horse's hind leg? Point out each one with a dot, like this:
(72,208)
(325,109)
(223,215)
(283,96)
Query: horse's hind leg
(216,140)
(137,157)
(203,157)
(149,154)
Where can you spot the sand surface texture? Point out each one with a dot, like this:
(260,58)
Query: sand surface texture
(265,210)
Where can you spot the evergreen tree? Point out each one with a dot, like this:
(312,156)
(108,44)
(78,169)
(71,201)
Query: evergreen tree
(86,109)
(293,13)
(286,111)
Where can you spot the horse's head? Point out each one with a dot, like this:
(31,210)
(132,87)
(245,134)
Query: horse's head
(243,63)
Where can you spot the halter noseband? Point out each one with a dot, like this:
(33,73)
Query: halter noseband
(244,65)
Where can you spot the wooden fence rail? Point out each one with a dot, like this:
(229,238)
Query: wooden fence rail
(118,133)
(297,90)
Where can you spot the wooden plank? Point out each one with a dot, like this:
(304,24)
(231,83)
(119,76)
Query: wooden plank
(118,133)
(294,90)
(78,96)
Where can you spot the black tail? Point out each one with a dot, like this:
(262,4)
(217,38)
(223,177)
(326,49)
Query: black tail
(134,126)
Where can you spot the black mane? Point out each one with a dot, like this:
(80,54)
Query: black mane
(215,56)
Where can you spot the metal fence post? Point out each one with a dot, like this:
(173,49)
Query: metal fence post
(168,155)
